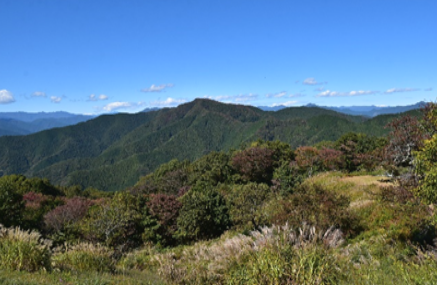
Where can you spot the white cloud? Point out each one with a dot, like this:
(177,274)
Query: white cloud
(157,88)
(287,104)
(168,102)
(126,106)
(397,90)
(6,97)
(221,97)
(312,81)
(428,89)
(361,92)
(329,93)
(55,99)
(276,95)
(94,98)
(39,94)
(296,95)
(245,97)
(117,105)
(320,89)
(241,98)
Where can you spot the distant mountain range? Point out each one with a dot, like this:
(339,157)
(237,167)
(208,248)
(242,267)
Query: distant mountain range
(367,111)
(22,123)
(111,152)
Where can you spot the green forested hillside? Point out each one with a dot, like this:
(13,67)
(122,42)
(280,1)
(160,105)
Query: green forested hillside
(112,151)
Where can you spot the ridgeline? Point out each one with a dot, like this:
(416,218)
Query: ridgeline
(111,152)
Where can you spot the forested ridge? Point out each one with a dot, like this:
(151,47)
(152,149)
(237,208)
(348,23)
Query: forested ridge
(112,151)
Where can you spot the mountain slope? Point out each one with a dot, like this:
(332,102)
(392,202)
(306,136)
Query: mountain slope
(112,151)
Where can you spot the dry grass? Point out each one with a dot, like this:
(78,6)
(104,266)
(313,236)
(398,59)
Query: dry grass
(83,257)
(361,190)
(205,262)
(367,180)
(23,250)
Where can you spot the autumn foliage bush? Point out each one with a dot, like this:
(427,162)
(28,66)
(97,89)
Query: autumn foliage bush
(254,164)
(164,210)
(65,215)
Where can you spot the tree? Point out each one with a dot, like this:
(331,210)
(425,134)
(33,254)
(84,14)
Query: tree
(115,222)
(167,179)
(204,214)
(36,206)
(254,164)
(426,169)
(358,149)
(212,168)
(413,144)
(308,160)
(11,203)
(161,220)
(66,215)
(426,157)
(247,203)
(407,136)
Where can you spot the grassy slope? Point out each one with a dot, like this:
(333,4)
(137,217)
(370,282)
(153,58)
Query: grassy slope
(130,277)
(376,256)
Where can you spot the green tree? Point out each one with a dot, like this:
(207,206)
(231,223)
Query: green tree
(212,168)
(426,168)
(115,222)
(11,203)
(204,214)
(247,205)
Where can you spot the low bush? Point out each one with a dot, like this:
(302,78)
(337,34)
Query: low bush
(313,204)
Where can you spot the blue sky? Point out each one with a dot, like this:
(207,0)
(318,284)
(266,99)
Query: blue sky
(99,56)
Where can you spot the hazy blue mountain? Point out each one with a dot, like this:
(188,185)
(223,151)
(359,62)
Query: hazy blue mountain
(150,109)
(22,123)
(372,111)
(29,117)
(367,111)
(274,109)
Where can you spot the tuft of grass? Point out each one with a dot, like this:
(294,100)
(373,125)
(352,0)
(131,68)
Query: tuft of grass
(138,259)
(273,251)
(78,278)
(83,257)
(23,250)
(378,260)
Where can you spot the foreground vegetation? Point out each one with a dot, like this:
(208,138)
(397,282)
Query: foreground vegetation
(262,214)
